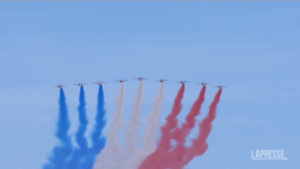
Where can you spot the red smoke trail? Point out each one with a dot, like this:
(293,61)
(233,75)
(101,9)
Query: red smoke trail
(159,157)
(199,145)
(180,134)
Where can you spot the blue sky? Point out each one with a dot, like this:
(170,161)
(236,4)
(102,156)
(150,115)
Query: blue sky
(251,47)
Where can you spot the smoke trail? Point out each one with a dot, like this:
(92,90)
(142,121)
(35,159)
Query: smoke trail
(180,134)
(158,158)
(98,142)
(190,119)
(152,125)
(61,152)
(113,145)
(80,152)
(131,130)
(199,145)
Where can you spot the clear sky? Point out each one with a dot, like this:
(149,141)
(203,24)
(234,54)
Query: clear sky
(251,47)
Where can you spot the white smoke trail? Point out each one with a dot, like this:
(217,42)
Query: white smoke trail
(113,143)
(152,125)
(131,131)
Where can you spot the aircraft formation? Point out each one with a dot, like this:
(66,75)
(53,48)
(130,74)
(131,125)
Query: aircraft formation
(104,155)
(140,79)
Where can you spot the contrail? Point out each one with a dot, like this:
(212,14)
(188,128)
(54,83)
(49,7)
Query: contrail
(79,153)
(180,134)
(152,125)
(158,158)
(98,142)
(113,145)
(199,145)
(61,152)
(132,130)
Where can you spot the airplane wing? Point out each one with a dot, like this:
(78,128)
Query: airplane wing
(161,79)
(203,82)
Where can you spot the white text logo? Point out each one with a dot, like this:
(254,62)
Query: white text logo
(268,155)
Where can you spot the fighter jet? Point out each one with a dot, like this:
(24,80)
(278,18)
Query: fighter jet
(203,83)
(80,84)
(220,87)
(141,78)
(121,80)
(183,82)
(161,80)
(99,83)
(59,86)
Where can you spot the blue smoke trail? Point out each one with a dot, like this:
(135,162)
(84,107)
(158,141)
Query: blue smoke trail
(61,152)
(80,152)
(98,142)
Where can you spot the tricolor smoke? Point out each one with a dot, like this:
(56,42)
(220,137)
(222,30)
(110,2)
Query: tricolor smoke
(199,145)
(113,146)
(158,158)
(131,134)
(80,139)
(61,152)
(132,130)
(165,155)
(98,142)
(79,153)
(152,125)
(180,134)
(107,153)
